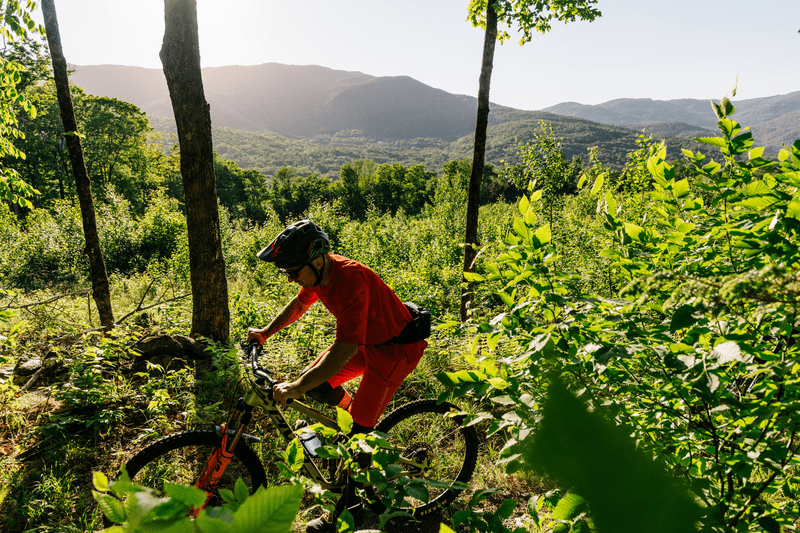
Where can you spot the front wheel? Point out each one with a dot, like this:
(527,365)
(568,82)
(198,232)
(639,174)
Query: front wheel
(435,447)
(180,458)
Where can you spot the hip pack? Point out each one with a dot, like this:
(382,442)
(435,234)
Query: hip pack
(418,329)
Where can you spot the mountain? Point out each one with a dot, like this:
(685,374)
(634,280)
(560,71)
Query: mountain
(314,119)
(773,120)
(297,101)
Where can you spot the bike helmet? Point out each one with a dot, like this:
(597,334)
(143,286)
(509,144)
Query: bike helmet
(296,245)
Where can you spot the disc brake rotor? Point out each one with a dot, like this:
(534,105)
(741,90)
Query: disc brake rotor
(420,453)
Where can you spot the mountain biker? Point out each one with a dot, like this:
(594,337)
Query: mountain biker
(369,321)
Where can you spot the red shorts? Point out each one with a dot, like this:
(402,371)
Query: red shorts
(384,368)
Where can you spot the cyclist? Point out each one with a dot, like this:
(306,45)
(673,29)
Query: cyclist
(369,321)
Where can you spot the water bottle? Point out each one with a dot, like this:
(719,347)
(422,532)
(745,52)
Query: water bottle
(310,442)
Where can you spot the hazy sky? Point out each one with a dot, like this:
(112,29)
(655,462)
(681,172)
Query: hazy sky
(659,49)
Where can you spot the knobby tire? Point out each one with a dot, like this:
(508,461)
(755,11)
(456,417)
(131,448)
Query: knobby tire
(179,458)
(422,425)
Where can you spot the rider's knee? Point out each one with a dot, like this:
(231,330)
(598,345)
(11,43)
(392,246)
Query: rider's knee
(328,395)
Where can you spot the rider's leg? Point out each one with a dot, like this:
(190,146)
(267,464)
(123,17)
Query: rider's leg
(386,368)
(331,392)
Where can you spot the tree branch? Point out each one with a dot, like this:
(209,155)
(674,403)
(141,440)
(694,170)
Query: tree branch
(49,300)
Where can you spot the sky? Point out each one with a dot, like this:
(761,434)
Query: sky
(659,49)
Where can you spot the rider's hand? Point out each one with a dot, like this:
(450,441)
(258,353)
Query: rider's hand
(255,334)
(283,392)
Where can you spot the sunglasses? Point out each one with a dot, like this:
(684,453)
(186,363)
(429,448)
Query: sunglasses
(293,273)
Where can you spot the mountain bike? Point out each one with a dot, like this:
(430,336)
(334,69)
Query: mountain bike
(430,438)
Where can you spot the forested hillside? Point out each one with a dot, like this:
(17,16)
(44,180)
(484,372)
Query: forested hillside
(269,152)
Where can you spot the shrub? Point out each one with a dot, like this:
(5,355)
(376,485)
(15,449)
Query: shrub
(695,355)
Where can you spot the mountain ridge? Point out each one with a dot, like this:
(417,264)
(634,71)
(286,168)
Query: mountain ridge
(773,119)
(338,110)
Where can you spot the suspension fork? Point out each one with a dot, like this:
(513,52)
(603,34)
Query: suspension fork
(221,457)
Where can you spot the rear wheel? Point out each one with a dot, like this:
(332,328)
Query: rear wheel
(443,452)
(180,458)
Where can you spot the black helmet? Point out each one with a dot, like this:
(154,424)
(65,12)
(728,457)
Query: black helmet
(295,246)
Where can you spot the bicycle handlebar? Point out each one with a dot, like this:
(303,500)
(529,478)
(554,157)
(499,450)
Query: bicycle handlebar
(253,349)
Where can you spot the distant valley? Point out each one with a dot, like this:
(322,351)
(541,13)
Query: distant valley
(314,118)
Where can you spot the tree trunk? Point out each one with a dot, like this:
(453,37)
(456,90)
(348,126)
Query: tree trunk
(478,156)
(180,56)
(100,287)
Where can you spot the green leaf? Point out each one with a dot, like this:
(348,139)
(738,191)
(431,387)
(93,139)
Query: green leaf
(611,203)
(742,143)
(229,497)
(447,379)
(717,110)
(681,188)
(139,504)
(729,127)
(625,488)
(215,520)
(598,184)
(633,231)
(714,141)
(344,420)
(506,509)
(100,481)
(542,236)
(269,510)
(191,496)
(727,106)
(682,318)
(524,205)
(521,229)
(164,515)
(241,490)
(473,276)
(713,382)
(111,507)
(122,486)
(530,217)
(793,209)
(769,524)
(568,507)
(756,153)
(498,383)
(294,455)
(726,352)
(418,490)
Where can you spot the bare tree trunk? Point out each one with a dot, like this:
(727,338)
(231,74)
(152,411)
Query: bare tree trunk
(478,156)
(180,56)
(100,287)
